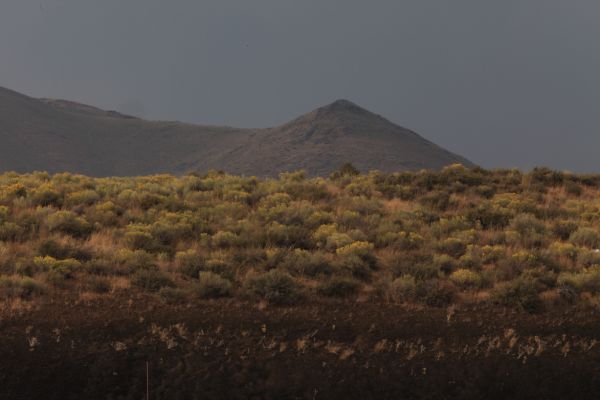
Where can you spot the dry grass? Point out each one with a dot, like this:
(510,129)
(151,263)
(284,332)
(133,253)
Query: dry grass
(396,205)
(119,283)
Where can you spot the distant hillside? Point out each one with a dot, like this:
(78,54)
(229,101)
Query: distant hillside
(59,135)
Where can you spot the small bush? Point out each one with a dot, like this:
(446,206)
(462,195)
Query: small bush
(346,170)
(361,249)
(30,287)
(589,258)
(355,266)
(222,266)
(339,287)
(471,260)
(439,200)
(68,223)
(465,278)
(587,280)
(97,284)
(172,295)
(357,259)
(522,293)
(409,241)
(489,217)
(44,263)
(140,240)
(53,249)
(23,288)
(586,237)
(275,286)
(573,189)
(561,249)
(419,264)
(9,232)
(453,247)
(527,224)
(487,192)
(403,288)
(301,262)
(436,293)
(564,229)
(59,250)
(225,239)
(212,286)
(525,259)
(327,237)
(134,260)
(294,236)
(491,254)
(65,268)
(84,197)
(151,280)
(46,196)
(99,266)
(58,271)
(316,264)
(189,263)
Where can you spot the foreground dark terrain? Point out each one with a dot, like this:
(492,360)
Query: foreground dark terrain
(98,349)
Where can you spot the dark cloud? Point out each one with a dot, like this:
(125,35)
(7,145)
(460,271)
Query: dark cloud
(505,83)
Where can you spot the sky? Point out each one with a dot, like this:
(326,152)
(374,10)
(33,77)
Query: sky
(511,83)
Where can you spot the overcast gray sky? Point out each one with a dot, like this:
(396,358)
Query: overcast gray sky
(511,83)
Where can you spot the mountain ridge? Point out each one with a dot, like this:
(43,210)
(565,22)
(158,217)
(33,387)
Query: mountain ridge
(62,135)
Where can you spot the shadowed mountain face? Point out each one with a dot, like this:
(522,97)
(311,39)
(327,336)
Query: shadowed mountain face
(58,135)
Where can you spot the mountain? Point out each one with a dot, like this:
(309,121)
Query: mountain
(59,135)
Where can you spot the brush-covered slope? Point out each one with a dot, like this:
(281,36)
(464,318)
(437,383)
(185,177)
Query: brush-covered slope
(58,135)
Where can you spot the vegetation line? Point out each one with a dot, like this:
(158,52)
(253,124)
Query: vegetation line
(502,237)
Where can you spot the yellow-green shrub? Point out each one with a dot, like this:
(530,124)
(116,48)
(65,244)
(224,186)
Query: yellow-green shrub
(466,278)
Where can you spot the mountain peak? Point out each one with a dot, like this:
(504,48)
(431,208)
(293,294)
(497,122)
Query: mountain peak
(85,139)
(343,105)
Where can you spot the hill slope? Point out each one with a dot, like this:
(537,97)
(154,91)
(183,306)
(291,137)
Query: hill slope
(58,135)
